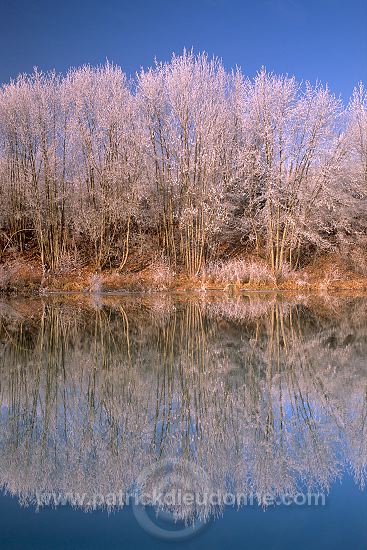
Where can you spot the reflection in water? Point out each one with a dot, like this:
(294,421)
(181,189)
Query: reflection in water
(251,395)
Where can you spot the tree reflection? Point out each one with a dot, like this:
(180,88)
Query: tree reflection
(262,394)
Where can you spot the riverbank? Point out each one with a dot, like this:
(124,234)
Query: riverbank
(25,276)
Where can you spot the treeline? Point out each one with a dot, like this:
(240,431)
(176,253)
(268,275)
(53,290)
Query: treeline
(187,162)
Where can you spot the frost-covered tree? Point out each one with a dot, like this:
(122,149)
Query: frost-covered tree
(35,132)
(187,120)
(107,160)
(289,151)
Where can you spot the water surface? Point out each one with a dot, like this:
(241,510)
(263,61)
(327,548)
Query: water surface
(183,422)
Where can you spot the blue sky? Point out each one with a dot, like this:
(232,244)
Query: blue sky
(313,39)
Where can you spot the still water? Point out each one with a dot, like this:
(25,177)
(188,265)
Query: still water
(183,422)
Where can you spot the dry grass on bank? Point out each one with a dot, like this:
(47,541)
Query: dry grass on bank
(24,276)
